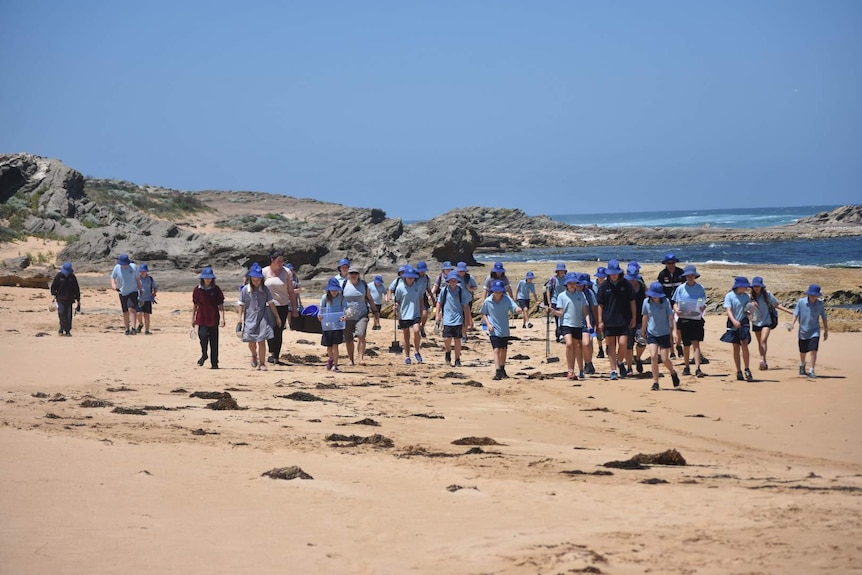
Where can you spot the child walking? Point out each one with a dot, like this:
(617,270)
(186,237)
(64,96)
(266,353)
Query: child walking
(767,317)
(149,289)
(657,329)
(65,290)
(377,290)
(526,291)
(738,325)
(573,311)
(332,302)
(495,314)
(453,312)
(809,311)
(408,310)
(208,315)
(254,300)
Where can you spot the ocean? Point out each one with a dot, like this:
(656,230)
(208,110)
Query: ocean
(838,252)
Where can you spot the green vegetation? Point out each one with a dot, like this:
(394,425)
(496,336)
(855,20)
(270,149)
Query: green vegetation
(158,202)
(275,223)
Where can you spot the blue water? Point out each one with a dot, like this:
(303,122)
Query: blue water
(839,252)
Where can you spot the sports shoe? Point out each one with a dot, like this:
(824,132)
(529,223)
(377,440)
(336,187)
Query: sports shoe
(270,359)
(448,356)
(699,373)
(214,366)
(811,374)
(739,376)
(686,370)
(147,332)
(422,333)
(203,358)
(614,376)
(629,372)
(418,357)
(601,354)
(335,368)
(328,364)
(407,361)
(254,361)
(529,325)
(672,354)
(60,331)
(503,373)
(581,375)
(655,387)
(675,379)
(679,351)
(762,365)
(497,376)
(639,364)
(802,369)
(262,367)
(590,368)
(140,327)
(623,371)
(703,360)
(457,363)
(748,376)
(524,326)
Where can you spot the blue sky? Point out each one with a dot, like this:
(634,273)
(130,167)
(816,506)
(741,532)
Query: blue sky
(554,107)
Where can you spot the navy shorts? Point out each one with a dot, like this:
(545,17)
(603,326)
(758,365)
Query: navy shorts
(663,341)
(575,332)
(522,303)
(616,330)
(690,330)
(407,323)
(499,342)
(452,331)
(129,301)
(806,345)
(145,307)
(332,337)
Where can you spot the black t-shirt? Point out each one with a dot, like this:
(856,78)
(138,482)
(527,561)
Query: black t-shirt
(670,281)
(616,301)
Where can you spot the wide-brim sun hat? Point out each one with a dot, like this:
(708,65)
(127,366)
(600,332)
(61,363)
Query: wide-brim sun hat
(378,279)
(409,272)
(530,275)
(585,279)
(613,268)
(814,289)
(453,276)
(124,260)
(668,258)
(207,274)
(422,267)
(255,271)
(462,266)
(601,272)
(740,282)
(353,270)
(144,268)
(333,285)
(561,267)
(447,265)
(655,290)
(633,266)
(757,281)
(344,262)
(498,286)
(67,270)
(633,276)
(498,268)
(571,277)
(690,271)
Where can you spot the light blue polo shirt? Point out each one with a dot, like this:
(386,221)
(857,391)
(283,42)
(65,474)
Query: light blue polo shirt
(572,303)
(525,289)
(498,313)
(126,278)
(453,304)
(408,298)
(660,315)
(809,315)
(737,302)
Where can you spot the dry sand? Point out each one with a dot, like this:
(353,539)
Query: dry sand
(773,482)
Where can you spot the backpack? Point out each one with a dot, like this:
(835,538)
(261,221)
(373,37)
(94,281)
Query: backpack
(443,294)
(550,288)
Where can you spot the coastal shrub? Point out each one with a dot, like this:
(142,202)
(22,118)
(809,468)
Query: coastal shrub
(159,202)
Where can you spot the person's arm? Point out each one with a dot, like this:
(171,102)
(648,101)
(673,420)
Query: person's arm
(601,318)
(274,310)
(194,313)
(732,318)
(587,316)
(221,313)
(634,321)
(291,295)
(825,325)
(114,285)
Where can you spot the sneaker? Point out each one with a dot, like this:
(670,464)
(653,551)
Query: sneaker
(335,368)
(133,332)
(254,361)
(524,326)
(703,360)
(529,325)
(60,331)
(623,371)
(140,327)
(614,376)
(686,370)
(655,387)
(214,366)
(639,364)
(802,372)
(629,372)
(497,376)
(739,376)
(262,367)
(762,365)
(581,375)
(422,333)
(590,368)
(270,359)
(699,373)
(679,351)
(328,364)
(407,361)
(448,356)
(503,373)
(675,378)
(811,374)
(147,332)
(601,354)
(748,376)
(802,369)
(672,354)
(203,358)
(418,357)
(457,363)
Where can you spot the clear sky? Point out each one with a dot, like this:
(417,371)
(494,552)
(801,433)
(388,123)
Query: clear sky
(555,107)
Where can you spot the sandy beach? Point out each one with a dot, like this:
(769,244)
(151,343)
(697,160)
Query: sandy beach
(773,481)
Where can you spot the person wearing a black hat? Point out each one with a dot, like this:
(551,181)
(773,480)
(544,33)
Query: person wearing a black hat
(671,278)
(65,290)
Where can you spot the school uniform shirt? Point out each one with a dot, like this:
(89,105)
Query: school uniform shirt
(525,289)
(277,285)
(640,297)
(764,301)
(467,282)
(335,305)
(573,303)
(127,278)
(377,292)
(208,300)
(686,292)
(737,302)
(498,313)
(616,299)
(355,299)
(149,287)
(670,281)
(660,313)
(424,282)
(591,302)
(453,302)
(409,299)
(809,315)
(395,283)
(555,286)
(489,281)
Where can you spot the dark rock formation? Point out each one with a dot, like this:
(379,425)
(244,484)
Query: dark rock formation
(843,216)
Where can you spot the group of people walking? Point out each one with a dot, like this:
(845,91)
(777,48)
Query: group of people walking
(617,312)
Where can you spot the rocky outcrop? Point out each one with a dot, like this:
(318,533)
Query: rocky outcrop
(843,216)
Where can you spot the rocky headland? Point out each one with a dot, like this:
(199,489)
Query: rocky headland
(99,219)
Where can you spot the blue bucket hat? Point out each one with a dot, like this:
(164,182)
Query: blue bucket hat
(497,285)
(453,276)
(409,272)
(757,281)
(614,268)
(633,275)
(584,279)
(462,266)
(255,271)
(531,275)
(498,268)
(144,268)
(344,262)
(207,274)
(571,277)
(633,266)
(669,258)
(601,272)
(447,265)
(67,270)
(401,269)
(378,279)
(124,260)
(422,266)
(814,289)
(655,290)
(561,267)
(689,271)
(740,282)
(333,285)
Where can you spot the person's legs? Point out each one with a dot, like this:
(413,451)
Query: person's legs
(252,348)
(579,353)
(623,351)
(417,340)
(261,353)
(570,354)
(745,355)
(405,335)
(736,358)
(812,355)
(612,351)
(349,332)
(665,359)
(587,349)
(653,352)
(764,343)
(457,349)
(213,339)
(204,339)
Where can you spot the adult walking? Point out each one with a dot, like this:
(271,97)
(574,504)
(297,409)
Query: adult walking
(279,280)
(358,301)
(127,282)
(65,290)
